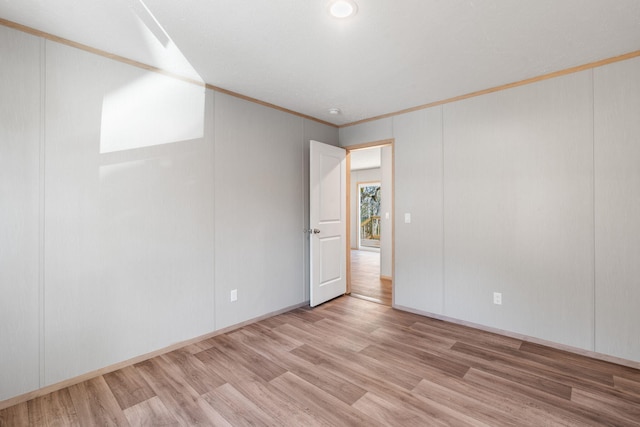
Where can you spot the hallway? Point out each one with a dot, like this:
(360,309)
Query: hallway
(365,278)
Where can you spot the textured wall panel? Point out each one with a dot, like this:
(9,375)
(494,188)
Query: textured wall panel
(518,194)
(617,166)
(366,132)
(19,207)
(418,192)
(259,192)
(386,206)
(129,233)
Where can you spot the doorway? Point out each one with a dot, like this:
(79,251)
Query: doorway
(370,221)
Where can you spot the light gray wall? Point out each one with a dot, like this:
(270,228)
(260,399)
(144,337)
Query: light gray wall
(259,217)
(386,205)
(518,209)
(19,212)
(531,192)
(128,235)
(418,281)
(617,213)
(377,130)
(107,254)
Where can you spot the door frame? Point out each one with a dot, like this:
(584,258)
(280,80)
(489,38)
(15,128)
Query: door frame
(381,143)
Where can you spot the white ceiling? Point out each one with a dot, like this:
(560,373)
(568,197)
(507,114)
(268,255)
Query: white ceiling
(367,158)
(393,55)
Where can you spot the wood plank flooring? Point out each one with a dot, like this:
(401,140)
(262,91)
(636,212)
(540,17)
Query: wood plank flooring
(349,362)
(365,277)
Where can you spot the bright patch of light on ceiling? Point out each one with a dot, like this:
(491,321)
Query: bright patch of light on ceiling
(167,55)
(154,109)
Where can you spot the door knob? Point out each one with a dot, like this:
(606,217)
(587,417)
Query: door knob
(316,231)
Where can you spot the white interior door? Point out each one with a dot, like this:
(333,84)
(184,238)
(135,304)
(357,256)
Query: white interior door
(327,220)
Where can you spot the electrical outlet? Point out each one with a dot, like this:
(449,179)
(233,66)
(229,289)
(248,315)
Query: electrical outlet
(234,295)
(497,298)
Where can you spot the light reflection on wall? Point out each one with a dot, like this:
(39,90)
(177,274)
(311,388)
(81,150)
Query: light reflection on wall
(152,110)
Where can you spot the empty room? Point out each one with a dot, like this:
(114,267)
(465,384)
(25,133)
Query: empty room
(319,212)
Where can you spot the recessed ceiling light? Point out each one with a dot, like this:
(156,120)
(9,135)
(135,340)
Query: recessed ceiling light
(342,8)
(334,111)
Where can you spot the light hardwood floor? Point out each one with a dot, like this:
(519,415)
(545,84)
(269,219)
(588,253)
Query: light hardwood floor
(365,277)
(349,362)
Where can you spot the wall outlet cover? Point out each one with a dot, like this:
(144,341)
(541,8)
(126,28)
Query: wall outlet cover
(497,298)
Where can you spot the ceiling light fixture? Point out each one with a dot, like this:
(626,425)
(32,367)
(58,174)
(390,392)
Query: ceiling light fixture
(343,9)
(334,111)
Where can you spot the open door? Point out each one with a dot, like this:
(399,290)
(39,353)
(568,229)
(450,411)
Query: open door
(327,222)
